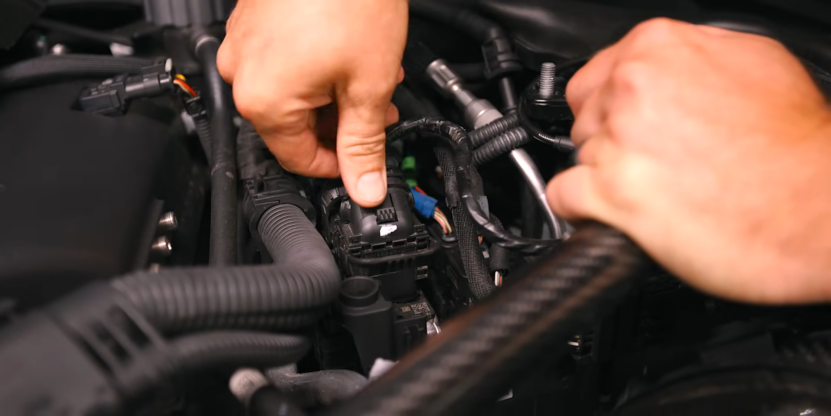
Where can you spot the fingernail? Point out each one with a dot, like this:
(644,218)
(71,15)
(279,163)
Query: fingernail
(371,186)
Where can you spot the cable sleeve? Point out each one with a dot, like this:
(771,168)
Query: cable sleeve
(483,134)
(290,293)
(478,278)
(501,145)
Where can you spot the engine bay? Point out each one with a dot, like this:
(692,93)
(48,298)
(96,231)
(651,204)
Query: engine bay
(155,258)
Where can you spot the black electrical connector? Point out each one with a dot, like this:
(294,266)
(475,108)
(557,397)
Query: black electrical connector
(113,96)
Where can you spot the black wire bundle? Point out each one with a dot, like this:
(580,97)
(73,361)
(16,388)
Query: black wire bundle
(456,139)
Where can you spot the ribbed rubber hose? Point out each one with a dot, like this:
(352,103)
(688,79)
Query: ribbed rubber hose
(54,68)
(501,145)
(495,128)
(480,355)
(232,349)
(223,238)
(292,292)
(478,278)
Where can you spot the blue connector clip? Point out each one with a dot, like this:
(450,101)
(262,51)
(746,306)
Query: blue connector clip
(425,205)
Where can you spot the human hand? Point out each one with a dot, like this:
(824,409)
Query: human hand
(288,58)
(711,150)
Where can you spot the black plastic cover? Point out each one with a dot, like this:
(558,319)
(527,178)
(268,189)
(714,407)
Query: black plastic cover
(75,189)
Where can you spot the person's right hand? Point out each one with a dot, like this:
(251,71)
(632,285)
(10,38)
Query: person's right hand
(711,149)
(288,58)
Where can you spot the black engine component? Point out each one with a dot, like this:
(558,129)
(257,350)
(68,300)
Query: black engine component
(63,221)
(116,165)
(390,250)
(387,243)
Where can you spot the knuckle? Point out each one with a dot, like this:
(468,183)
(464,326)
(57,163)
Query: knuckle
(251,101)
(364,146)
(225,61)
(631,76)
(657,29)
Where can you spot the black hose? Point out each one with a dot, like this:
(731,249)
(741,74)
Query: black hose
(470,72)
(316,389)
(471,23)
(560,142)
(500,258)
(292,292)
(82,32)
(203,131)
(223,239)
(508,94)
(483,134)
(232,349)
(479,356)
(215,350)
(501,145)
(455,138)
(473,261)
(54,68)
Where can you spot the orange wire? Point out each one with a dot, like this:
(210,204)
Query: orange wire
(186,86)
(419,190)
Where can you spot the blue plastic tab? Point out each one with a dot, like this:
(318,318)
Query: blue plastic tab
(424,204)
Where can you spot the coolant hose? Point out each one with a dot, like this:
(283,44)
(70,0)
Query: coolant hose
(480,355)
(225,350)
(292,292)
(232,349)
(53,68)
(319,388)
(223,238)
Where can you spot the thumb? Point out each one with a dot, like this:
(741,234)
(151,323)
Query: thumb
(361,149)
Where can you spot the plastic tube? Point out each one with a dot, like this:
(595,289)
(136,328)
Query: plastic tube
(54,68)
(223,238)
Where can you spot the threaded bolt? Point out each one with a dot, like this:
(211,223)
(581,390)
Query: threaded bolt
(162,246)
(547,74)
(168,222)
